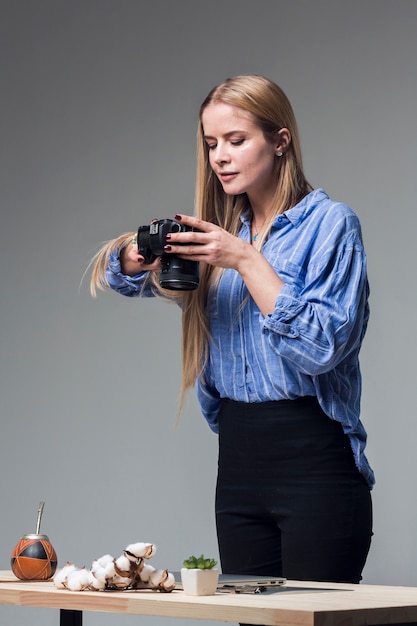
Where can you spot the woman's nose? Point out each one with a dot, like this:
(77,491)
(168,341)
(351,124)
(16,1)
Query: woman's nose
(221,155)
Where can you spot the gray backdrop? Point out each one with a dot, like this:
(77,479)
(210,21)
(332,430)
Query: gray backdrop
(99,103)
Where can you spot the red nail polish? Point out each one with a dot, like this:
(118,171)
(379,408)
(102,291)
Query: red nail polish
(167,248)
(177,217)
(168,236)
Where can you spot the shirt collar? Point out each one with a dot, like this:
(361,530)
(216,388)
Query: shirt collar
(298,213)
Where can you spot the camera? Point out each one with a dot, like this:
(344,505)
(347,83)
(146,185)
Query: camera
(176,273)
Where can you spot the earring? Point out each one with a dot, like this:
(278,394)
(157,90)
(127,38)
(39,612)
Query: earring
(279,154)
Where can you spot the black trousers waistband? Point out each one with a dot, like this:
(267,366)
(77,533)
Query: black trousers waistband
(289,437)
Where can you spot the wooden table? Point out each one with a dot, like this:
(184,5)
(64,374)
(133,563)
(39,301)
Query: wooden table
(296,604)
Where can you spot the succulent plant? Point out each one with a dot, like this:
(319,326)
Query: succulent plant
(200,562)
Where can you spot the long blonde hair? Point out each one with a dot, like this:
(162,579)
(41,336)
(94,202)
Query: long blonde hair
(271,111)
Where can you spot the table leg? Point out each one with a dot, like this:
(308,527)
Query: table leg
(70,618)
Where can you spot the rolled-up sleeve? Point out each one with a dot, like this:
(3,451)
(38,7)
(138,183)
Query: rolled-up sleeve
(130,286)
(321,316)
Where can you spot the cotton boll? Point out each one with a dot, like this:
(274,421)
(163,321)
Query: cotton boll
(135,550)
(104,560)
(162,579)
(98,572)
(61,576)
(78,580)
(120,582)
(169,583)
(109,570)
(124,567)
(95,583)
(96,565)
(145,572)
(157,577)
(123,562)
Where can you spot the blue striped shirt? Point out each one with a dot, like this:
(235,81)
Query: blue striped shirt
(309,345)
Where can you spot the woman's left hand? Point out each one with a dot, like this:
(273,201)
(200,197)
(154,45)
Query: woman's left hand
(208,243)
(214,245)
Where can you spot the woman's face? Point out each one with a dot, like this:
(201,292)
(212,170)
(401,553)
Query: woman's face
(241,157)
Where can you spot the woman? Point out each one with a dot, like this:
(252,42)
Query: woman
(271,338)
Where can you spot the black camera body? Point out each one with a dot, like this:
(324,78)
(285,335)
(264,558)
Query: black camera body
(176,273)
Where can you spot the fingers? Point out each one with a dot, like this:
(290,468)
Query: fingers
(195,222)
(138,259)
(193,243)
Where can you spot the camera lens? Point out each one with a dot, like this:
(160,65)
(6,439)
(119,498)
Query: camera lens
(178,274)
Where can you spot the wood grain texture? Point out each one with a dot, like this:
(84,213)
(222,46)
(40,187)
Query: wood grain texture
(296,604)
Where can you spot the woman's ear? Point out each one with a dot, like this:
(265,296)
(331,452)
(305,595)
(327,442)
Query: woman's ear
(283,141)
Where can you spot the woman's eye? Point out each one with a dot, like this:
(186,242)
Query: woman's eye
(237,142)
(211,146)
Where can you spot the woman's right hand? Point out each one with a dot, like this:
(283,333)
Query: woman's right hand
(133,263)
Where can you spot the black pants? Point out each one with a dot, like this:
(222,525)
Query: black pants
(289,498)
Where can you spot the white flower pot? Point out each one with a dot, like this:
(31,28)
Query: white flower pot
(199,582)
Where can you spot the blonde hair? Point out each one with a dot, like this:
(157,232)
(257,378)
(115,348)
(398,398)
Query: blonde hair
(100,261)
(271,111)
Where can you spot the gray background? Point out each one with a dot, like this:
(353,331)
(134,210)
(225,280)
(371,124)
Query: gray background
(99,103)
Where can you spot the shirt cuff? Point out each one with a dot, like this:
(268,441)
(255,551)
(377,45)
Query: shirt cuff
(119,281)
(287,307)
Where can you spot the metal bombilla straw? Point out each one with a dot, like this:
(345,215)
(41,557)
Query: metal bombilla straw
(38,521)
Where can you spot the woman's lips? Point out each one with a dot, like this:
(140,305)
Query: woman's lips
(227,176)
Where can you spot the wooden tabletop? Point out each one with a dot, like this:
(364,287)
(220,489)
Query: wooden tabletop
(296,604)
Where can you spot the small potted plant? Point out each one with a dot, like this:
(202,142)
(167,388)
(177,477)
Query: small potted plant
(199,576)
